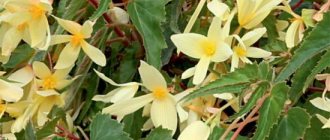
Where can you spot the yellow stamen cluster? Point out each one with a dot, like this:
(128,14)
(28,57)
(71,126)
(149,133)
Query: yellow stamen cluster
(77,39)
(240,51)
(37,11)
(159,93)
(49,83)
(209,47)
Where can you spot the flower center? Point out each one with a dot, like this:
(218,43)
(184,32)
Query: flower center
(159,93)
(37,11)
(21,27)
(209,47)
(77,39)
(49,83)
(240,51)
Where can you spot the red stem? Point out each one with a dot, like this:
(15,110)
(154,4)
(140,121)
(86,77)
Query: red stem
(297,5)
(107,18)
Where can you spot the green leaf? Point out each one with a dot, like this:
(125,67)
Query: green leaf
(47,130)
(105,128)
(271,110)
(217,132)
(315,132)
(103,7)
(292,126)
(257,94)
(159,134)
(314,43)
(234,82)
(133,124)
(27,133)
(147,16)
(322,64)
(301,75)
(21,55)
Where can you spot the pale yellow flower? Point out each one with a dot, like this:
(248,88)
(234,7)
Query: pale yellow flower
(219,9)
(253,12)
(76,41)
(11,88)
(210,48)
(26,20)
(323,104)
(49,83)
(118,15)
(197,130)
(244,50)
(124,91)
(162,111)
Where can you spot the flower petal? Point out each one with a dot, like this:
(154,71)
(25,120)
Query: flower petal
(321,104)
(254,52)
(41,70)
(23,76)
(87,29)
(110,81)
(222,53)
(38,31)
(224,96)
(60,74)
(124,93)
(129,106)
(234,62)
(46,93)
(58,39)
(10,92)
(195,131)
(218,8)
(70,26)
(63,83)
(67,57)
(188,73)
(188,44)
(94,53)
(253,36)
(291,38)
(163,113)
(215,29)
(201,70)
(10,41)
(151,77)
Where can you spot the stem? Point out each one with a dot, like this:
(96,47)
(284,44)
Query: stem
(250,116)
(66,134)
(231,127)
(194,16)
(298,4)
(107,18)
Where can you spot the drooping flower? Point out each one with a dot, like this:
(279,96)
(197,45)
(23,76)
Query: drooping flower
(210,48)
(253,12)
(244,50)
(25,20)
(123,92)
(49,83)
(76,41)
(162,111)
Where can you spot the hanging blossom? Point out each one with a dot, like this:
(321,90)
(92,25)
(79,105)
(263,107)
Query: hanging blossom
(252,12)
(324,102)
(210,48)
(123,92)
(244,50)
(76,41)
(24,20)
(163,107)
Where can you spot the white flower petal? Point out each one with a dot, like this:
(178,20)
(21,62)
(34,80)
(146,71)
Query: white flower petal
(70,26)
(224,96)
(321,104)
(188,43)
(10,41)
(218,8)
(62,73)
(151,77)
(201,70)
(46,93)
(163,113)
(124,93)
(291,38)
(94,53)
(129,106)
(188,73)
(23,76)
(110,81)
(38,30)
(10,92)
(41,70)
(58,39)
(87,29)
(234,62)
(222,53)
(254,52)
(253,36)
(67,57)
(197,130)
(215,29)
